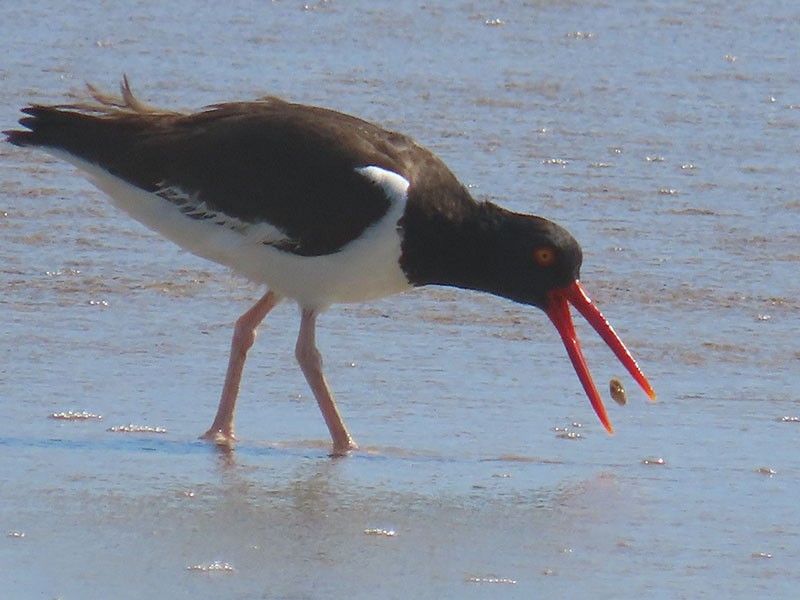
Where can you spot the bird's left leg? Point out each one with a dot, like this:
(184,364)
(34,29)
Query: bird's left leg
(244,334)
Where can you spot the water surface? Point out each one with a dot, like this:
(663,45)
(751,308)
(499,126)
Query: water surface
(663,137)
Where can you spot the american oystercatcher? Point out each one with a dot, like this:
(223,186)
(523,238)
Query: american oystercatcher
(322,208)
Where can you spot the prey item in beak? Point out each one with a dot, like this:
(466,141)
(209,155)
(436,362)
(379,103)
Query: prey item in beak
(558,310)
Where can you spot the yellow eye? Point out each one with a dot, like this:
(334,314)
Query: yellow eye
(544,256)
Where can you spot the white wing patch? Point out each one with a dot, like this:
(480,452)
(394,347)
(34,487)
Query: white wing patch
(366,268)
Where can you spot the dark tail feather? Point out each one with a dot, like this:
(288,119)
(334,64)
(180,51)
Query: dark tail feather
(104,139)
(18,138)
(78,128)
(50,126)
(24,138)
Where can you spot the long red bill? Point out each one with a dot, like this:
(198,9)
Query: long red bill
(558,311)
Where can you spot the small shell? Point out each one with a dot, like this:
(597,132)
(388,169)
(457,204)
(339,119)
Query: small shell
(617,392)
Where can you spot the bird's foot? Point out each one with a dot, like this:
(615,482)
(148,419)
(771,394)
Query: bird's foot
(343,449)
(219,437)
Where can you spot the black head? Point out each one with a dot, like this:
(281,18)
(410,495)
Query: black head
(534,256)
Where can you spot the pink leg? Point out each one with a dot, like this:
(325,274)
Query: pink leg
(244,334)
(311,364)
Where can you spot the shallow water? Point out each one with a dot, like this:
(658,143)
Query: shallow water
(664,138)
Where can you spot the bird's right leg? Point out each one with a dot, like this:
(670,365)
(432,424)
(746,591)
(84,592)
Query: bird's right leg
(244,334)
(310,362)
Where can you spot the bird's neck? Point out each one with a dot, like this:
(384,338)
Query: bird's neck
(454,244)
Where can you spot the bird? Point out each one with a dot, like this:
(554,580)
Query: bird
(322,208)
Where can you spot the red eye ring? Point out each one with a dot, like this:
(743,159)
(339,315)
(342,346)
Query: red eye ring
(544,255)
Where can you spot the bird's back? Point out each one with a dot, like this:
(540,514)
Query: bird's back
(289,165)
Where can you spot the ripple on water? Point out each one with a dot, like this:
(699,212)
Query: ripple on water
(131,428)
(212,567)
(380,532)
(490,579)
(81,415)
